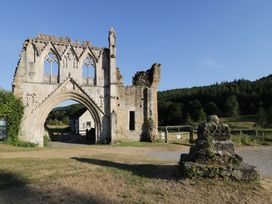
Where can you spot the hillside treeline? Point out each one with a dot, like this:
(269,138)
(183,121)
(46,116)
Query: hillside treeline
(227,99)
(60,115)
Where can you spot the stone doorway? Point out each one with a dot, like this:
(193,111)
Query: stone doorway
(70,122)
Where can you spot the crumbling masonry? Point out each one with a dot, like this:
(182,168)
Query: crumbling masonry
(213,155)
(119,112)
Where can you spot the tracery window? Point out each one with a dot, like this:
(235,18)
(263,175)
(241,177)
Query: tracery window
(51,68)
(88,71)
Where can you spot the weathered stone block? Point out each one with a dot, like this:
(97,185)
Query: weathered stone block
(213,155)
(245,172)
(242,173)
(215,131)
(224,147)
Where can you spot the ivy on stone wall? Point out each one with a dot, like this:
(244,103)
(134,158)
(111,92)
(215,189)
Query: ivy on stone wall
(11,109)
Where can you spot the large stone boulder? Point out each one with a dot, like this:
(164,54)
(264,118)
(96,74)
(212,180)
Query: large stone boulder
(213,155)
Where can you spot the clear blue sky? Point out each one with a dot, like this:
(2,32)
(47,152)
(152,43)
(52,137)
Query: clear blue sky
(198,42)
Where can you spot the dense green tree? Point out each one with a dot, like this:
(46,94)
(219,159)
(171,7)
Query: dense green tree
(261,117)
(269,117)
(202,116)
(196,111)
(11,108)
(232,106)
(211,108)
(172,113)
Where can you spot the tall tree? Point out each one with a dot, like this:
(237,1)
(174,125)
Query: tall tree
(269,117)
(196,111)
(232,106)
(211,108)
(261,118)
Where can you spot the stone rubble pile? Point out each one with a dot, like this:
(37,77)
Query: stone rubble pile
(213,155)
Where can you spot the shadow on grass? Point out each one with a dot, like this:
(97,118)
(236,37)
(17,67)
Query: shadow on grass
(9,180)
(14,189)
(168,172)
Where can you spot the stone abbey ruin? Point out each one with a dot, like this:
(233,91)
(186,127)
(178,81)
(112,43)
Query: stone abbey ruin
(119,112)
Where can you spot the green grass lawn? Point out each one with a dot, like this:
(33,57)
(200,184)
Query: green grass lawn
(240,122)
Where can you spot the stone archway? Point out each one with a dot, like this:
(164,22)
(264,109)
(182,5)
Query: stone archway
(33,123)
(68,95)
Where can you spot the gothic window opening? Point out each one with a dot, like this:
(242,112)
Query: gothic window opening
(131,120)
(51,68)
(88,71)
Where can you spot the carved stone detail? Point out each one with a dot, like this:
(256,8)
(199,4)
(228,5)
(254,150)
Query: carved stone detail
(31,98)
(40,47)
(61,49)
(79,51)
(51,38)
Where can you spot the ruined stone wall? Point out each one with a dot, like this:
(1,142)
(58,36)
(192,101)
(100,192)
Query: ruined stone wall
(38,90)
(140,98)
(104,95)
(129,99)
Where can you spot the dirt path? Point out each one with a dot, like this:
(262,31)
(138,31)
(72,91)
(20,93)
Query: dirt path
(260,156)
(66,150)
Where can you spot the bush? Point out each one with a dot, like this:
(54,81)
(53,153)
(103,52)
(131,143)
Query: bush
(12,110)
(19,143)
(46,141)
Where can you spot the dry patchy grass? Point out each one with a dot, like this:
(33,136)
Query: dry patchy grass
(111,174)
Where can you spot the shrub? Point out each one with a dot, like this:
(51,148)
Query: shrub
(12,110)
(19,143)
(46,141)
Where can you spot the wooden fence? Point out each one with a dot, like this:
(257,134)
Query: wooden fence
(164,131)
(257,132)
(252,132)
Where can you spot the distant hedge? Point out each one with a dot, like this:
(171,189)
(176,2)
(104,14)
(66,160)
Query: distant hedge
(11,109)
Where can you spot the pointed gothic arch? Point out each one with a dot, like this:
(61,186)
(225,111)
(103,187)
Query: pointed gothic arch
(88,70)
(51,67)
(59,97)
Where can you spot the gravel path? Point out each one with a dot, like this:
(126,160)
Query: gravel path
(261,157)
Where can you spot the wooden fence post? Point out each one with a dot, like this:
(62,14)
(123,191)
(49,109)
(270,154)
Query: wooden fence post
(191,140)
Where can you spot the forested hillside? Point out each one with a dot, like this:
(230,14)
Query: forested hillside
(188,105)
(60,115)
